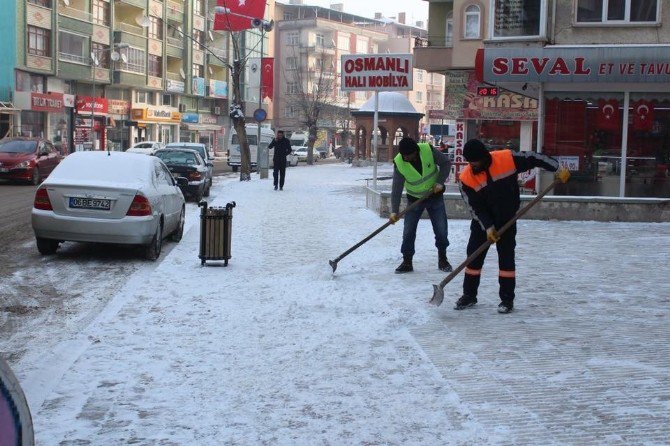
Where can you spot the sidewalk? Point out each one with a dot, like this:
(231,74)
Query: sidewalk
(276,349)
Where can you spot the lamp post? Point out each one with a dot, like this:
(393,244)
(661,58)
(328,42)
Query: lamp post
(114,55)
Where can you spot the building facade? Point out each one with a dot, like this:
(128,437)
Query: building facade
(595,74)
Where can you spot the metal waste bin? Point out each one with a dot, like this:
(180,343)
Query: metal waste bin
(215,232)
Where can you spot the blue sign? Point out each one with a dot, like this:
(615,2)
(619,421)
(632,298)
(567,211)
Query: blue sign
(218,89)
(198,86)
(260,115)
(189,118)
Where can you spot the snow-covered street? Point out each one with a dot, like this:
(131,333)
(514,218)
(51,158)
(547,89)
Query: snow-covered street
(275,349)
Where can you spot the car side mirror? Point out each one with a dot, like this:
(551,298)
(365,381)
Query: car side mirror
(182,181)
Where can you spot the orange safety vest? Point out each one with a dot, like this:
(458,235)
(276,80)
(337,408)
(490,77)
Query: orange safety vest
(502,166)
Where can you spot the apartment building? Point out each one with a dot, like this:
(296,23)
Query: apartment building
(595,73)
(104,74)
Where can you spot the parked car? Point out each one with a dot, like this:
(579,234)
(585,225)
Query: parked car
(204,154)
(146,147)
(291,159)
(27,159)
(188,164)
(109,197)
(301,153)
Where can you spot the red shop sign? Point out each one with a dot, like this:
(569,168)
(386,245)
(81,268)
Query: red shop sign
(85,105)
(49,102)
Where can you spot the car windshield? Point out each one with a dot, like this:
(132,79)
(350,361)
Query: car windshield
(18,146)
(251,139)
(199,149)
(144,145)
(178,158)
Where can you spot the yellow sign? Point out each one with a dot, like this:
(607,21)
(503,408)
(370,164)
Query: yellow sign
(155,115)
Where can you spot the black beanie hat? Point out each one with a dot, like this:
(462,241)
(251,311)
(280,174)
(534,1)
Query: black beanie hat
(407,146)
(475,150)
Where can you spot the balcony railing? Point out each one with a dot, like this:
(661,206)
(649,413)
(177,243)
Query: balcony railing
(74,13)
(175,41)
(132,29)
(174,76)
(175,7)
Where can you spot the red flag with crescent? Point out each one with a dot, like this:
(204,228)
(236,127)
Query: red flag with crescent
(608,117)
(643,115)
(239,14)
(267,77)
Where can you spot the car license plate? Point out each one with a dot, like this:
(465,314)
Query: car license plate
(90,203)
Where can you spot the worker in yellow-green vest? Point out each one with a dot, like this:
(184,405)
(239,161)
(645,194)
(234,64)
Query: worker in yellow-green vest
(421,170)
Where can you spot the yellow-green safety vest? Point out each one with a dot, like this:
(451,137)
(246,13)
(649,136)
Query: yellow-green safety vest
(417,184)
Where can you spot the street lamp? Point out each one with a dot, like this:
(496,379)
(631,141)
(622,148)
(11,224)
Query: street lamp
(95,62)
(264,26)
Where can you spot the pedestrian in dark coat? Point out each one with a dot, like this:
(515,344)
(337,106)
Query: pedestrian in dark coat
(490,188)
(282,148)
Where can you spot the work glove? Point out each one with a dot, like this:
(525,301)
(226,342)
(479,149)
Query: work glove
(563,174)
(492,235)
(393,218)
(437,188)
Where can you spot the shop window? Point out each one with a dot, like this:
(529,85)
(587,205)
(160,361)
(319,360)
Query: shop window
(29,82)
(617,11)
(39,41)
(523,18)
(472,22)
(100,10)
(72,47)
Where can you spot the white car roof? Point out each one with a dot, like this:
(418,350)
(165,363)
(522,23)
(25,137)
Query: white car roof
(184,144)
(101,167)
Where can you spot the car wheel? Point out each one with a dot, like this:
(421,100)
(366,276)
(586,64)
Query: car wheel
(198,195)
(46,246)
(206,192)
(235,168)
(179,232)
(153,249)
(36,180)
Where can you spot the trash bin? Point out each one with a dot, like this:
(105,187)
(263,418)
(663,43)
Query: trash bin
(215,232)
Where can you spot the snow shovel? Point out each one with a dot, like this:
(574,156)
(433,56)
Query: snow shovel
(333,263)
(438,290)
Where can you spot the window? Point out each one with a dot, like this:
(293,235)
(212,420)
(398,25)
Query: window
(361,45)
(156,28)
(519,19)
(45,3)
(472,22)
(155,66)
(198,39)
(39,41)
(29,82)
(419,75)
(449,31)
(293,39)
(73,47)
(320,40)
(199,7)
(288,16)
(198,70)
(291,63)
(100,12)
(622,11)
(167,99)
(418,96)
(136,60)
(101,53)
(141,97)
(343,43)
(292,88)
(289,111)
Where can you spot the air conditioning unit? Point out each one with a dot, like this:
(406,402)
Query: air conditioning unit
(216,110)
(182,108)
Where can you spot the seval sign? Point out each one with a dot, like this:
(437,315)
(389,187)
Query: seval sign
(574,64)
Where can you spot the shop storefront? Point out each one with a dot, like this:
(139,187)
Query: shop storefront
(202,128)
(118,131)
(155,124)
(45,116)
(606,112)
(90,132)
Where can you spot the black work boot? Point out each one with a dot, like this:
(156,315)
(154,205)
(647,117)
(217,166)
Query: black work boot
(405,266)
(442,262)
(465,302)
(506,307)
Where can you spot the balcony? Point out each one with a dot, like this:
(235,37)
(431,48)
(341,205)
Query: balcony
(217,59)
(74,13)
(318,49)
(175,11)
(142,4)
(434,58)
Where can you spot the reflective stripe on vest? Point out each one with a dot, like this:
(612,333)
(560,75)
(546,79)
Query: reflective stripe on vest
(502,166)
(418,184)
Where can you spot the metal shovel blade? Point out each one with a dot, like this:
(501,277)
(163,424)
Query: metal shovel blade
(438,296)
(333,264)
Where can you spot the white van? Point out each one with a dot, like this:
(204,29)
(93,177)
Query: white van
(234,157)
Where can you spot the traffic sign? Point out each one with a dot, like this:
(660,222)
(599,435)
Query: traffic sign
(260,115)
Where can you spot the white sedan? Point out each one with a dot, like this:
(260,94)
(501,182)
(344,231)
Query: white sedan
(146,147)
(109,197)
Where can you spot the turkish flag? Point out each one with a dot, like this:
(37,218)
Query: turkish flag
(240,14)
(643,115)
(267,77)
(608,115)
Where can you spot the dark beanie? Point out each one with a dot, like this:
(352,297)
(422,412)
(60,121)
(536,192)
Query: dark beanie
(475,150)
(407,146)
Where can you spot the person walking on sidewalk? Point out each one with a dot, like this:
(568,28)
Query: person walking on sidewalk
(490,188)
(282,148)
(421,170)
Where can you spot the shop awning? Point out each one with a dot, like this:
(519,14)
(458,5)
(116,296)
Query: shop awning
(7,108)
(205,127)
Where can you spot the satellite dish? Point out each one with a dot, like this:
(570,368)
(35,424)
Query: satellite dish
(115,56)
(211,36)
(182,74)
(124,58)
(94,58)
(143,21)
(180,30)
(210,71)
(66,2)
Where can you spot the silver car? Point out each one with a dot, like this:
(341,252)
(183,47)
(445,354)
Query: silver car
(109,197)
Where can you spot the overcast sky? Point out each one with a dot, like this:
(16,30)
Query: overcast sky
(416,9)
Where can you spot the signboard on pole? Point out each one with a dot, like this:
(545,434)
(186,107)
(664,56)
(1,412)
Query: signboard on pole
(376,72)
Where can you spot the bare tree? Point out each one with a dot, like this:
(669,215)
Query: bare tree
(313,91)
